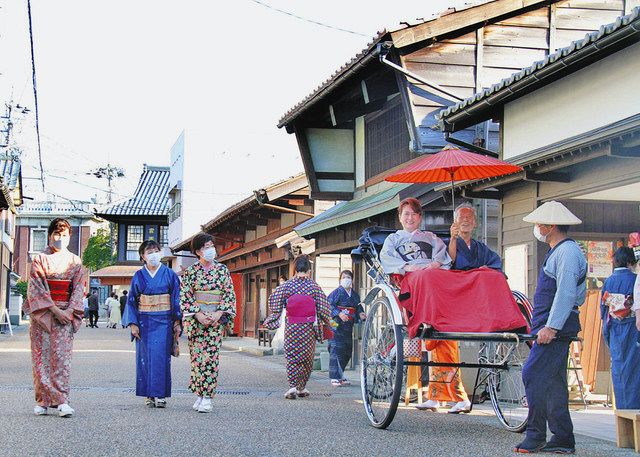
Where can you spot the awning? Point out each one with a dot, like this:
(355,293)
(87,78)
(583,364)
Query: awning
(354,210)
(115,275)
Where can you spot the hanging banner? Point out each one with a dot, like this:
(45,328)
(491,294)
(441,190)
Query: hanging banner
(599,259)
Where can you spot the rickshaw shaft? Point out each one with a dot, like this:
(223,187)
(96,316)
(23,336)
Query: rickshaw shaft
(499,366)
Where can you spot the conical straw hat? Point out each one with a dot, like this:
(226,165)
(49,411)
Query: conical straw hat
(552,213)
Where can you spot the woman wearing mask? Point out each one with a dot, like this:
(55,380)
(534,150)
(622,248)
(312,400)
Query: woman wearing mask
(209,305)
(54,303)
(306,305)
(153,314)
(345,311)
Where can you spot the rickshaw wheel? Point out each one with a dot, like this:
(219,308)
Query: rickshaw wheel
(382,367)
(505,387)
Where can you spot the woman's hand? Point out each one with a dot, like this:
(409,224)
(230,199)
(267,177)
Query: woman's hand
(363,317)
(135,331)
(638,320)
(433,265)
(215,317)
(343,317)
(201,317)
(454,230)
(60,315)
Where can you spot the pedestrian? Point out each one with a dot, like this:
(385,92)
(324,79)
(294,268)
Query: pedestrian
(282,279)
(114,310)
(209,305)
(123,302)
(54,304)
(618,312)
(153,315)
(306,306)
(561,289)
(346,310)
(94,306)
(85,304)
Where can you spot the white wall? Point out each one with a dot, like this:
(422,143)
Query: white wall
(600,94)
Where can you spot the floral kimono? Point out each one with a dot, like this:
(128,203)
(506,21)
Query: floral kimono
(56,279)
(299,337)
(207,290)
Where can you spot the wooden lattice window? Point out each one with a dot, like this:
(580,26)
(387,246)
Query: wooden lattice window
(386,140)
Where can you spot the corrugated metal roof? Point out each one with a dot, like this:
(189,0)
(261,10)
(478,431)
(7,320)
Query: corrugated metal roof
(151,197)
(354,210)
(630,20)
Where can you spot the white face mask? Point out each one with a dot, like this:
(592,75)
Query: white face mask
(346,283)
(536,232)
(153,259)
(209,254)
(62,243)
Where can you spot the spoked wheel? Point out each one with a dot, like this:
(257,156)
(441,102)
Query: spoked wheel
(505,386)
(381,375)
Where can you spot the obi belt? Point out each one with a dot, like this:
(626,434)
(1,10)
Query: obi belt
(154,303)
(208,300)
(349,311)
(301,309)
(59,289)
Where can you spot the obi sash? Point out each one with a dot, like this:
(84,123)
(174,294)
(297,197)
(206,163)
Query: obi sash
(619,305)
(348,310)
(208,300)
(301,309)
(59,289)
(152,303)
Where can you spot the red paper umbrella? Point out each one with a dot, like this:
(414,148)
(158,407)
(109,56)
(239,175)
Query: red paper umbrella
(453,164)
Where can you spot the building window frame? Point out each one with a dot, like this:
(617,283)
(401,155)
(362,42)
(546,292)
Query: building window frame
(33,249)
(134,237)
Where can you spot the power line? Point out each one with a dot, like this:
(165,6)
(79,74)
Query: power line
(35,93)
(321,24)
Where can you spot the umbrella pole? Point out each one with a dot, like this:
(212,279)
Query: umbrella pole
(453,197)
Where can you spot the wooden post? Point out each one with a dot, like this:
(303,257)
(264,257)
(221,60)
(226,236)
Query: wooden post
(552,28)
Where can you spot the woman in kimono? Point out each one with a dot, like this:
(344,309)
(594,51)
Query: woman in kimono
(153,315)
(306,305)
(618,313)
(54,303)
(114,311)
(346,310)
(208,305)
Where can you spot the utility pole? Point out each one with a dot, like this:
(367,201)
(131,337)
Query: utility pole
(110,173)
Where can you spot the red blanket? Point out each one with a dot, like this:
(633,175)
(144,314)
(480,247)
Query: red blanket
(460,301)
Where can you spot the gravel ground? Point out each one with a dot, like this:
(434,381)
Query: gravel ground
(250,415)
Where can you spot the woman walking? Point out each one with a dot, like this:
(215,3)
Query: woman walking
(114,310)
(153,314)
(54,303)
(208,304)
(306,305)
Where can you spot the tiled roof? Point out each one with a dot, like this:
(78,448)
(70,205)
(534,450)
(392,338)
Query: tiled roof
(151,197)
(348,67)
(630,20)
(326,84)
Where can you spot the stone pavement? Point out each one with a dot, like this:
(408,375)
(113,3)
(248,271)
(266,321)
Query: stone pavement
(250,416)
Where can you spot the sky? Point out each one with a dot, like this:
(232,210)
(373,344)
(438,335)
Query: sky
(118,81)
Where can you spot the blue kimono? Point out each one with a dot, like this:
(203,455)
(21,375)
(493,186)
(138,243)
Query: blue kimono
(476,256)
(341,346)
(621,336)
(153,349)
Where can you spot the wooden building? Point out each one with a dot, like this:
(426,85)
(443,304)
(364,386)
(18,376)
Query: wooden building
(254,239)
(142,217)
(377,112)
(572,122)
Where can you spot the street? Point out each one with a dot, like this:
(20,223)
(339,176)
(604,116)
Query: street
(250,415)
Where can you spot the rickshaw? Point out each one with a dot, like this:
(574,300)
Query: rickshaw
(383,365)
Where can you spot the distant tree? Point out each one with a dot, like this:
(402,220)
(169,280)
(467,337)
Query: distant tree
(98,253)
(22,288)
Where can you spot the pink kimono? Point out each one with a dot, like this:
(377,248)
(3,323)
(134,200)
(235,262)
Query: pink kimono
(51,341)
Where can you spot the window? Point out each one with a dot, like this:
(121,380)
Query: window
(163,237)
(386,140)
(174,212)
(135,236)
(38,240)
(8,222)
